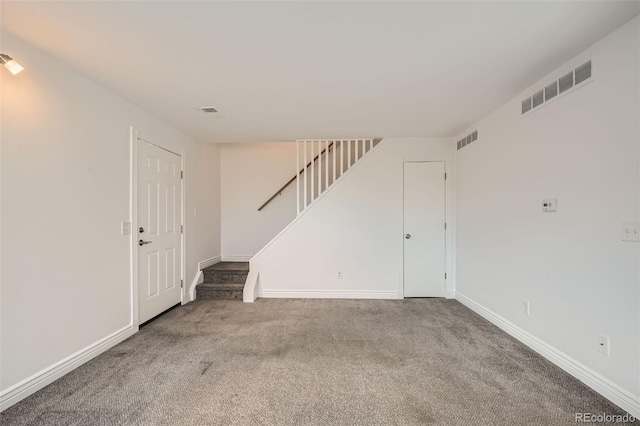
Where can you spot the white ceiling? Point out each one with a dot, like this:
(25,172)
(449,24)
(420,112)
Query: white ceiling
(280,71)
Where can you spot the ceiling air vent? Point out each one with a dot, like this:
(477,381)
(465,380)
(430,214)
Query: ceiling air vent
(208,109)
(573,79)
(471,137)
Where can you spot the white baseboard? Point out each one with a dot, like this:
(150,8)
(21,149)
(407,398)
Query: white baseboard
(41,379)
(226,258)
(206,263)
(328,294)
(619,396)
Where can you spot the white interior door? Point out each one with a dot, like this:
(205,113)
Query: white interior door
(424,229)
(159,234)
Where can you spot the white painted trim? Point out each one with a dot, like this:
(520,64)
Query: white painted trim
(226,258)
(594,380)
(208,262)
(329,294)
(135,138)
(447,219)
(133,211)
(314,202)
(190,295)
(183,224)
(251,287)
(452,177)
(41,379)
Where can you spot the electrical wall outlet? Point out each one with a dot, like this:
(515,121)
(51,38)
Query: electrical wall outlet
(125,228)
(339,275)
(603,344)
(525,308)
(630,231)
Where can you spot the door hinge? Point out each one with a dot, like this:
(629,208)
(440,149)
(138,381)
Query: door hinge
(181,174)
(445,225)
(181,283)
(445,176)
(445,275)
(181,229)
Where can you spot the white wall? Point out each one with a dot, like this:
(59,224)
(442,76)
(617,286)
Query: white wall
(206,216)
(571,265)
(356,228)
(251,173)
(65,171)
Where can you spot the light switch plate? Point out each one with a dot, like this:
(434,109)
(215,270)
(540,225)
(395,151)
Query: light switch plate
(630,231)
(125,228)
(550,205)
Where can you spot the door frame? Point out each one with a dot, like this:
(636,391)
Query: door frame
(449,238)
(133,218)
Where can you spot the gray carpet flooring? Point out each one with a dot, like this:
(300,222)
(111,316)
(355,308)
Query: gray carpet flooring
(314,362)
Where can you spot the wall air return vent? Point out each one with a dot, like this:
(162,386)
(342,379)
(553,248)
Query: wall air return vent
(566,82)
(583,72)
(551,91)
(471,137)
(571,80)
(208,109)
(538,98)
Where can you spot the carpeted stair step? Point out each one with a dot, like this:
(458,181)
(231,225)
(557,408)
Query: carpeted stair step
(224,280)
(228,291)
(226,273)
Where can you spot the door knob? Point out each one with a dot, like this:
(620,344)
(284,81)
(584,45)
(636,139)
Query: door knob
(407,236)
(142,242)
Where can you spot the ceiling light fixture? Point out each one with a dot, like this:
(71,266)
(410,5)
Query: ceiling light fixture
(10,64)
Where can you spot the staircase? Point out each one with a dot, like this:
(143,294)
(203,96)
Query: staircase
(224,280)
(320,164)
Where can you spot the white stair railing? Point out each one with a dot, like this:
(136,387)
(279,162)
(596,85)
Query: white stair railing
(320,163)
